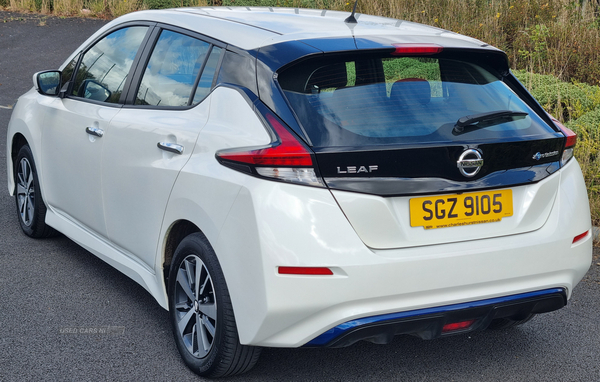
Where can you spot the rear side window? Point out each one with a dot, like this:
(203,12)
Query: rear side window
(105,67)
(208,75)
(171,77)
(385,100)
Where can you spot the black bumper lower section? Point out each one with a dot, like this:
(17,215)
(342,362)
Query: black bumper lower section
(428,323)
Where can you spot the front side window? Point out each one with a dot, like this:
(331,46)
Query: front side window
(172,70)
(364,100)
(105,67)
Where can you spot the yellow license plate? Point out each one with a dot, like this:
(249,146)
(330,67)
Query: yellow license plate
(460,209)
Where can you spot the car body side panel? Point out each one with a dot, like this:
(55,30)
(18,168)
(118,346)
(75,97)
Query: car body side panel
(138,176)
(288,225)
(113,256)
(30,125)
(205,190)
(73,160)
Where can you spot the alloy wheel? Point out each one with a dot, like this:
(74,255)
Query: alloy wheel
(25,191)
(195,306)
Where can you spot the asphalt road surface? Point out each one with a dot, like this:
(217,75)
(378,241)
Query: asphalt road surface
(50,288)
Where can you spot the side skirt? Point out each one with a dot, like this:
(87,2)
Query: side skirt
(116,258)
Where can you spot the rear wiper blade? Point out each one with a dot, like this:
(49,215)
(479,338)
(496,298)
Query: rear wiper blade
(473,122)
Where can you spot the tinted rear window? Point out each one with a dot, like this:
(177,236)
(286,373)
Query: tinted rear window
(389,100)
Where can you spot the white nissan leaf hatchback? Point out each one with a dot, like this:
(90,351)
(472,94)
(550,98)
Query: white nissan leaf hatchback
(291,177)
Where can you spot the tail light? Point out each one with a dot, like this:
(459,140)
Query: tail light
(285,159)
(569,144)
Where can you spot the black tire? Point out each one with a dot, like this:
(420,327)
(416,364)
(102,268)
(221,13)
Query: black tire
(507,323)
(207,338)
(31,209)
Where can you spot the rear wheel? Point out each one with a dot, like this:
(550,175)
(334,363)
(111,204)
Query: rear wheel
(507,323)
(30,205)
(202,315)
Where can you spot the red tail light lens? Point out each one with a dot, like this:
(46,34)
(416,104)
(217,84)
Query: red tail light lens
(569,134)
(286,159)
(416,49)
(287,152)
(570,142)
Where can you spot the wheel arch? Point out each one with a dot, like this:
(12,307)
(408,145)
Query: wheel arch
(175,234)
(18,141)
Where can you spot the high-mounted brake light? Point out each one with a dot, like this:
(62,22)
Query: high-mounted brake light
(457,326)
(570,142)
(416,49)
(312,271)
(286,159)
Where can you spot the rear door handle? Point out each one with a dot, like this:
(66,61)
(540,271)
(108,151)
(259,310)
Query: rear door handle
(94,131)
(170,147)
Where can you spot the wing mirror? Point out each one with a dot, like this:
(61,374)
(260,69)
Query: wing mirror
(92,89)
(47,82)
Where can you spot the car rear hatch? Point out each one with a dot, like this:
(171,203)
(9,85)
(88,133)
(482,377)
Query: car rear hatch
(421,144)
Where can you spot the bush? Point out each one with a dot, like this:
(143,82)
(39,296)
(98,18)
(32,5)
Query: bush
(314,4)
(587,153)
(565,101)
(578,106)
(161,4)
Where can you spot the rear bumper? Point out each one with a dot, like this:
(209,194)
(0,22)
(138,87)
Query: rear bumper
(304,226)
(428,323)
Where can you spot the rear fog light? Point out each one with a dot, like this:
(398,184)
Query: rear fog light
(457,326)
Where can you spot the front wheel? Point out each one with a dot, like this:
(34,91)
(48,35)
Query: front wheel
(202,315)
(31,209)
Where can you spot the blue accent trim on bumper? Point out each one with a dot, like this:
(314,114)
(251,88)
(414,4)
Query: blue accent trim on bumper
(339,330)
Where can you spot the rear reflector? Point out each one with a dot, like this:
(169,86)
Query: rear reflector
(416,49)
(305,271)
(457,326)
(580,237)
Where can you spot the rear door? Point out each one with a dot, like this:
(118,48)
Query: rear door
(153,136)
(426,149)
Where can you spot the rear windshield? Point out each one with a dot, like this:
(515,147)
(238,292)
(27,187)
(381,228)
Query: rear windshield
(414,100)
